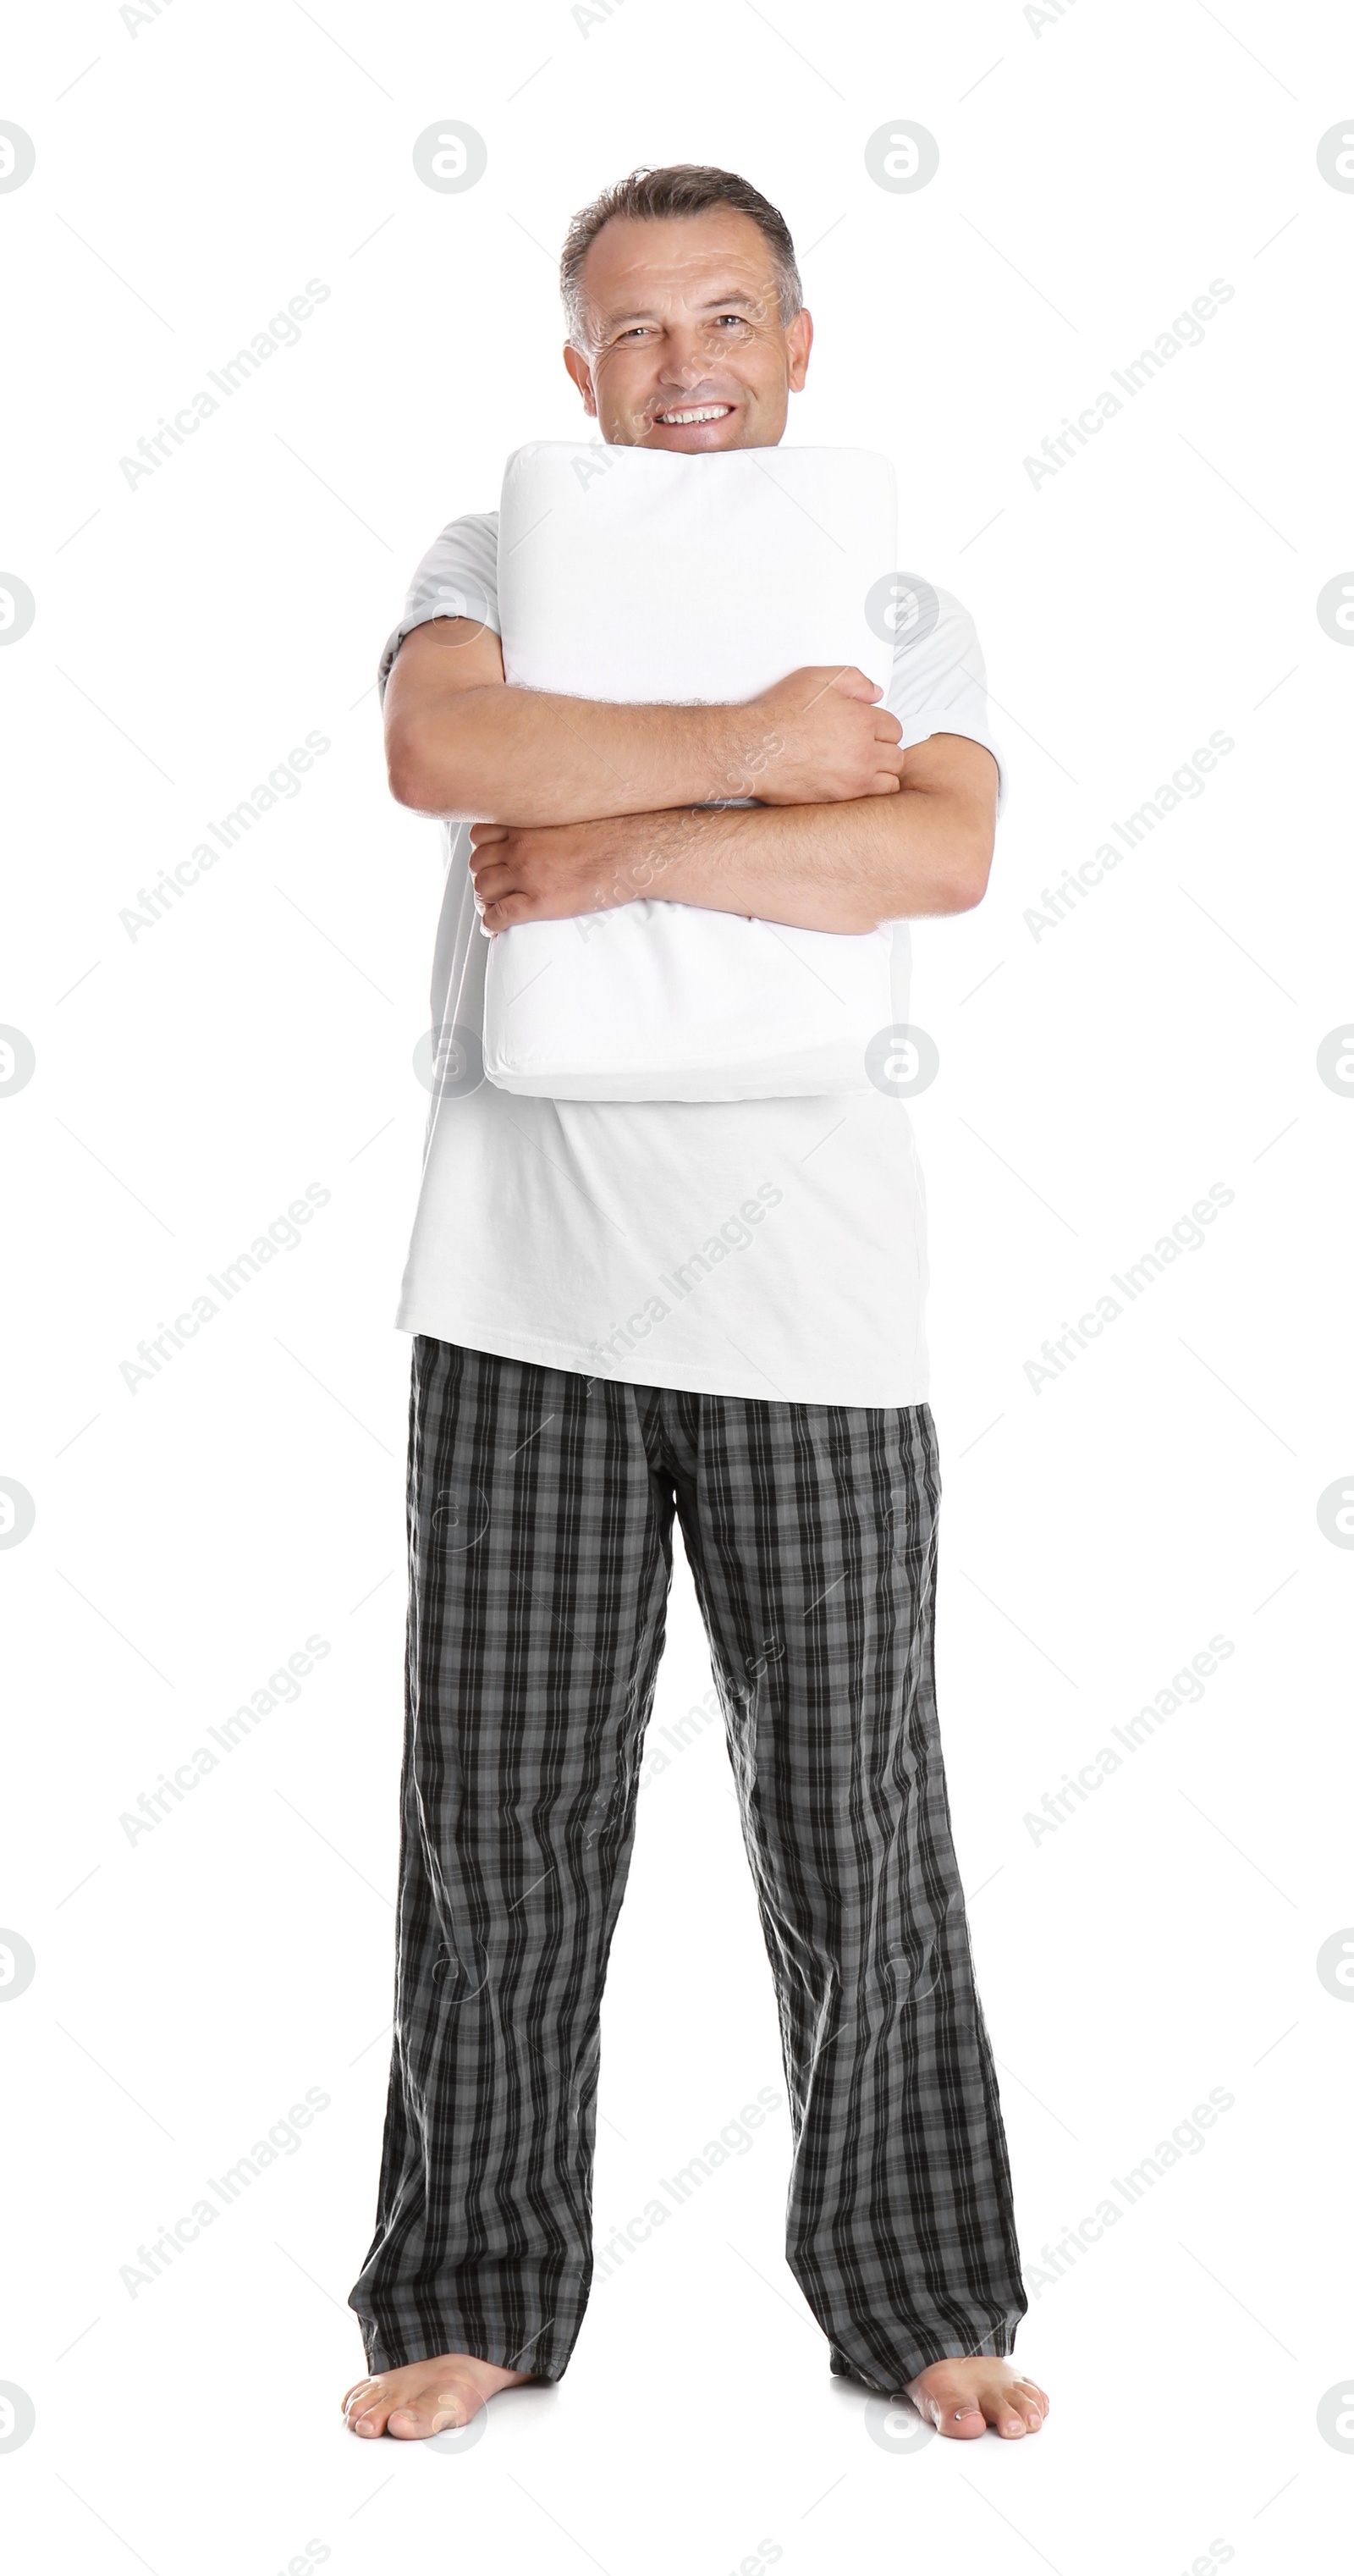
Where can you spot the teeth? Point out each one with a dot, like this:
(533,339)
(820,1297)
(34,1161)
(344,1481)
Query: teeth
(679,419)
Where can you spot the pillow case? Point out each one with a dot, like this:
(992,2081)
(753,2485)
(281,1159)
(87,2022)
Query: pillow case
(639,575)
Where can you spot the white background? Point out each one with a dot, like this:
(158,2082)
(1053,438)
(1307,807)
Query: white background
(1097,172)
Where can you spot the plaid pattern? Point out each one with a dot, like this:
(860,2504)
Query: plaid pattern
(540,1523)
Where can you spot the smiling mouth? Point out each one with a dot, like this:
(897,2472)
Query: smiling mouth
(690,418)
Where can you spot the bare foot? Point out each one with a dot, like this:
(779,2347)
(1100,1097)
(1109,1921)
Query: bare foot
(961,2398)
(426,2396)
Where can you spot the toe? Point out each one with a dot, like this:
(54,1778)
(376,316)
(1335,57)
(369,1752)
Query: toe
(365,2407)
(963,2401)
(409,2422)
(431,2410)
(943,2401)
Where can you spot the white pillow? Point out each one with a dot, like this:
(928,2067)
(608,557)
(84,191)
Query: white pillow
(639,575)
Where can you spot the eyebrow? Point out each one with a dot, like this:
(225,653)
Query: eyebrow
(711,304)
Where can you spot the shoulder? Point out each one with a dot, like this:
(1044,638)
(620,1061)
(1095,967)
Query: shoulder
(935,646)
(939,678)
(461,562)
(457,577)
(931,623)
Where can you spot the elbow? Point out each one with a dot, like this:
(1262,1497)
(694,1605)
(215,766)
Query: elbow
(410,777)
(423,774)
(967,875)
(407,787)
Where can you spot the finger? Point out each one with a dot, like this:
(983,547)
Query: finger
(884,783)
(886,726)
(854,684)
(495,880)
(480,833)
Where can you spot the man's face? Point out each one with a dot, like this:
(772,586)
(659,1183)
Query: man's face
(681,319)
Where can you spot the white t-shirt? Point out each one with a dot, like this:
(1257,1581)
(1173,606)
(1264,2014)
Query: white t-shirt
(765,1248)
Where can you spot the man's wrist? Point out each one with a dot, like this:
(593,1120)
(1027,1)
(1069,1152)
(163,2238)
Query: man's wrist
(647,853)
(681,854)
(733,747)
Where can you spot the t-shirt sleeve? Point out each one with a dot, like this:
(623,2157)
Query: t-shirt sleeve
(939,682)
(458,577)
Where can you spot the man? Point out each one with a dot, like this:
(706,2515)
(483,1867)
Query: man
(557,1423)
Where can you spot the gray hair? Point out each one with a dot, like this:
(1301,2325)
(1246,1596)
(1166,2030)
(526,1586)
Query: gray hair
(683,188)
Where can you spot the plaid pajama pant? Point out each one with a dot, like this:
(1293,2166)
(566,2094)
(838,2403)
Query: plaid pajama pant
(540,1533)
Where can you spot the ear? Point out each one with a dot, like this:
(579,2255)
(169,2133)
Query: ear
(581,373)
(799,341)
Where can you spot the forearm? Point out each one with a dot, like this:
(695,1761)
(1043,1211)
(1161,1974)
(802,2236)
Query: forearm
(524,756)
(841,867)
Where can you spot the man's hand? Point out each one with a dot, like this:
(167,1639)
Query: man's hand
(553,871)
(834,742)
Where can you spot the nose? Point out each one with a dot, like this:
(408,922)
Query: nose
(685,359)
